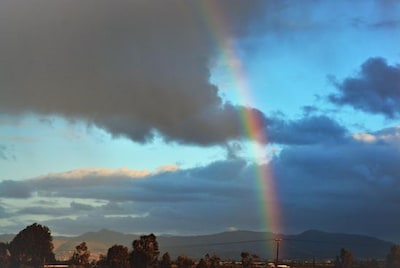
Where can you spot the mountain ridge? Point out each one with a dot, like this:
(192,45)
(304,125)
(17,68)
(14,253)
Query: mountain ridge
(228,245)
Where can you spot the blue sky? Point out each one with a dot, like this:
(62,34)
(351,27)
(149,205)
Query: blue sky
(125,116)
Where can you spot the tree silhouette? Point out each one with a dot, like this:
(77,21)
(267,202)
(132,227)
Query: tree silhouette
(118,256)
(346,258)
(145,252)
(184,262)
(373,263)
(165,261)
(393,258)
(202,264)
(214,261)
(81,255)
(5,257)
(247,261)
(32,246)
(101,262)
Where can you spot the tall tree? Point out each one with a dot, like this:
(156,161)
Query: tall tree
(32,246)
(118,256)
(346,258)
(81,255)
(145,252)
(393,258)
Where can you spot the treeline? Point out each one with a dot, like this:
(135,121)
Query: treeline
(33,247)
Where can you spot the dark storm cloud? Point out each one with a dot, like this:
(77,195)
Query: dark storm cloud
(376,89)
(134,68)
(352,187)
(306,130)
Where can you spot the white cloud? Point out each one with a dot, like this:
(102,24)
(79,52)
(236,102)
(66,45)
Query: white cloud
(365,137)
(80,174)
(390,135)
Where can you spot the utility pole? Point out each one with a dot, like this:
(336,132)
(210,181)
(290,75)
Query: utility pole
(277,240)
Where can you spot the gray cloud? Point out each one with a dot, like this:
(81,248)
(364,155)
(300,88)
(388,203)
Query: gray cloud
(127,185)
(113,65)
(134,68)
(165,201)
(341,186)
(44,210)
(375,90)
(3,213)
(307,130)
(15,189)
(334,188)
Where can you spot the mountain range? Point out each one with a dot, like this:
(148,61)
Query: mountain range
(229,245)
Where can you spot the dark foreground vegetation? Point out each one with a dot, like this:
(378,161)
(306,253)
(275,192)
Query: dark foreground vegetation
(33,248)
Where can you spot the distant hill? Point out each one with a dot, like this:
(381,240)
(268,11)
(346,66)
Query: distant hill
(327,245)
(309,244)
(6,237)
(97,242)
(229,245)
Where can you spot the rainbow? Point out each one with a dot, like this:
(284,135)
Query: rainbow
(252,125)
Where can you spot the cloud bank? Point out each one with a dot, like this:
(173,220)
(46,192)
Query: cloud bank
(136,68)
(350,187)
(375,90)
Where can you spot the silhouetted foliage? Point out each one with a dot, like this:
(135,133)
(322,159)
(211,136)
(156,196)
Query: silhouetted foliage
(101,262)
(337,263)
(118,256)
(145,252)
(165,261)
(81,255)
(393,258)
(184,262)
(214,261)
(247,260)
(5,257)
(344,260)
(32,246)
(202,264)
(368,264)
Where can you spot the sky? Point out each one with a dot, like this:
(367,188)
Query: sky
(198,117)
